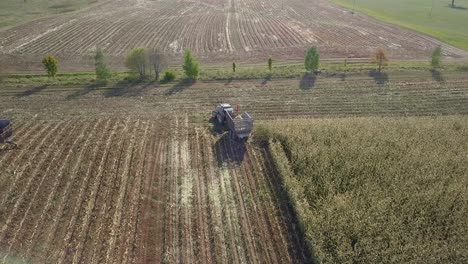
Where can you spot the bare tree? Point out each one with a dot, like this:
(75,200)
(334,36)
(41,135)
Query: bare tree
(453,3)
(158,61)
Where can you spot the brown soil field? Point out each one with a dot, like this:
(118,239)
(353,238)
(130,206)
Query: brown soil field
(118,190)
(215,30)
(133,174)
(340,95)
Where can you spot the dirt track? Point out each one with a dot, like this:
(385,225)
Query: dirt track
(140,191)
(216,30)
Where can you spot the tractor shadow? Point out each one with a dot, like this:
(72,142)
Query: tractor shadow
(229,151)
(180,87)
(308,81)
(31,91)
(380,78)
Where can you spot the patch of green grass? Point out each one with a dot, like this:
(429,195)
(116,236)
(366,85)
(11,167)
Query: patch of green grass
(377,190)
(19,11)
(444,23)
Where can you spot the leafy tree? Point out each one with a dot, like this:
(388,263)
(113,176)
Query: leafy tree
(233,67)
(312,59)
(102,71)
(436,58)
(270,63)
(51,65)
(381,59)
(137,61)
(158,62)
(168,76)
(191,66)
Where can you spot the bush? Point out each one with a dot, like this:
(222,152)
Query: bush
(191,66)
(168,76)
(137,61)
(51,65)
(436,58)
(102,71)
(312,59)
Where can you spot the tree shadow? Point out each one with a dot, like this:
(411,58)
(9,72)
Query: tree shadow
(127,88)
(229,81)
(308,81)
(87,89)
(437,76)
(31,91)
(267,78)
(380,78)
(456,7)
(228,150)
(180,86)
(343,76)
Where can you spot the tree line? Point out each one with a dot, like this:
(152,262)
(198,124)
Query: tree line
(151,63)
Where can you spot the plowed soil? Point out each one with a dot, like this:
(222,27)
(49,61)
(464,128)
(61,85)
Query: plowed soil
(215,30)
(140,191)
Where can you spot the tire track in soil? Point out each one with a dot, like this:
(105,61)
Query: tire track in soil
(274,239)
(128,226)
(107,201)
(267,253)
(145,235)
(244,220)
(65,249)
(52,234)
(28,195)
(186,196)
(202,241)
(60,173)
(227,203)
(220,254)
(152,220)
(116,221)
(90,207)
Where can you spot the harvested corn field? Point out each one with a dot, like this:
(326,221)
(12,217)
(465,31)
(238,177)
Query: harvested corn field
(215,30)
(140,191)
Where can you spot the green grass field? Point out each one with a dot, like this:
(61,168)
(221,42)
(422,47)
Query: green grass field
(445,23)
(18,11)
(377,190)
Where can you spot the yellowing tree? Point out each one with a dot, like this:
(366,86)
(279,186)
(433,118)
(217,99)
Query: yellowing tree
(381,59)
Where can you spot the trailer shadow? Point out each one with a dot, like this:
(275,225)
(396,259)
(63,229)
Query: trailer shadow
(228,150)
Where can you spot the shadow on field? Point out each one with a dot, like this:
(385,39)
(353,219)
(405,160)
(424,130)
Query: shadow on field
(437,76)
(457,7)
(300,249)
(87,89)
(380,78)
(267,78)
(180,86)
(228,150)
(308,81)
(128,88)
(31,91)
